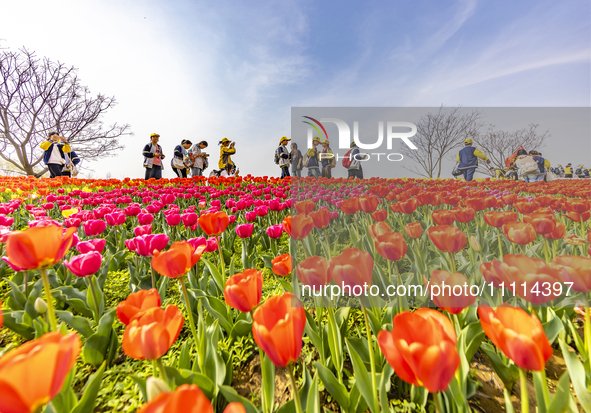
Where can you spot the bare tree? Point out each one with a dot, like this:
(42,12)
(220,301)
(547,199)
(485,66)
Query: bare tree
(498,145)
(437,135)
(38,96)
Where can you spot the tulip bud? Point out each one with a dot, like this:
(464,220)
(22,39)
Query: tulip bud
(475,244)
(155,386)
(40,305)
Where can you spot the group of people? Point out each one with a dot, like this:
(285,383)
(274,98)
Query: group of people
(188,158)
(530,166)
(318,160)
(567,171)
(59,157)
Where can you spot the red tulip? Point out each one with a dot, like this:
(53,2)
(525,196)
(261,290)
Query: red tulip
(305,207)
(350,206)
(409,206)
(352,268)
(244,230)
(558,232)
(187,398)
(519,335)
(499,218)
(526,207)
(301,225)
(38,247)
(391,246)
(464,215)
(368,204)
(455,298)
(422,348)
(313,271)
(447,238)
(414,230)
(380,215)
(477,204)
(320,218)
(378,229)
(278,327)
(244,290)
(574,269)
(282,265)
(519,232)
(443,217)
(543,223)
(136,303)
(151,334)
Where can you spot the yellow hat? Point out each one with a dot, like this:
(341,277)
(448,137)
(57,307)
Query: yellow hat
(284,138)
(468,141)
(316,139)
(324,141)
(559,165)
(225,140)
(154,134)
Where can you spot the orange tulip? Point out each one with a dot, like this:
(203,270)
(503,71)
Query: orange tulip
(422,348)
(187,398)
(320,218)
(499,218)
(574,269)
(577,217)
(526,207)
(443,217)
(453,300)
(577,206)
(353,267)
(301,225)
(244,290)
(520,233)
(305,207)
(235,407)
(214,223)
(380,215)
(409,206)
(152,333)
(521,269)
(282,265)
(447,238)
(378,229)
(558,233)
(477,204)
(368,204)
(414,230)
(313,271)
(178,260)
(278,327)
(38,247)
(391,246)
(464,215)
(136,303)
(520,336)
(542,223)
(33,374)
(287,224)
(350,206)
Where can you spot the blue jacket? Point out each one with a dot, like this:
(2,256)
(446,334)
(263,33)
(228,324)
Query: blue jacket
(540,162)
(467,158)
(47,146)
(313,155)
(75,159)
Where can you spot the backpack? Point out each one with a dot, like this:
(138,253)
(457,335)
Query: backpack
(205,163)
(526,165)
(277,156)
(306,160)
(347,160)
(579,171)
(333,162)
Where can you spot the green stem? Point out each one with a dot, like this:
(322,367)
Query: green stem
(189,312)
(545,387)
(96,306)
(546,250)
(47,287)
(26,280)
(160,365)
(588,334)
(371,361)
(327,244)
(338,364)
(500,245)
(437,403)
(263,380)
(452,260)
(153,278)
(296,396)
(524,395)
(222,260)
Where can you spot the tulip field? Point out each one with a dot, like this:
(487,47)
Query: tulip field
(256,294)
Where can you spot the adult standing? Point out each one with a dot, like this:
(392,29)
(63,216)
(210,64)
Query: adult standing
(283,155)
(568,171)
(326,159)
(468,159)
(543,164)
(355,170)
(55,148)
(199,158)
(312,154)
(226,151)
(180,161)
(153,156)
(296,159)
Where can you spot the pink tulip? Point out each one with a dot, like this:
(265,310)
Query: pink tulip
(72,222)
(244,230)
(94,227)
(145,245)
(173,220)
(168,199)
(275,231)
(261,211)
(189,219)
(145,219)
(97,244)
(115,219)
(250,216)
(142,230)
(85,264)
(6,221)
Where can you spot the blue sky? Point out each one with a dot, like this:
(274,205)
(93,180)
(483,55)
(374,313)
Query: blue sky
(204,70)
